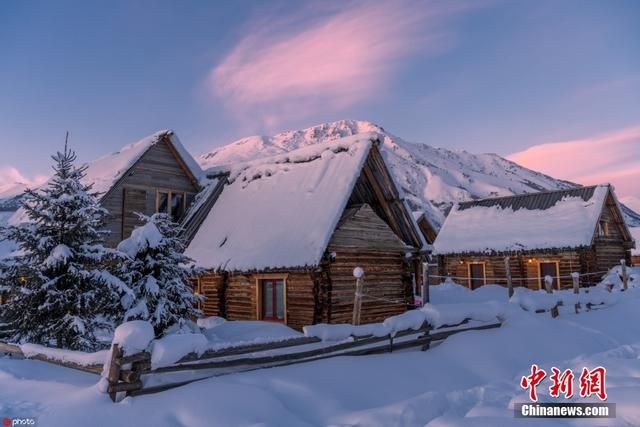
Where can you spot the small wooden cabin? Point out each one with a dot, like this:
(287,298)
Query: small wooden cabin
(281,238)
(155,174)
(552,233)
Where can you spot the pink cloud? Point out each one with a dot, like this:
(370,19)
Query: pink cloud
(293,68)
(12,181)
(613,157)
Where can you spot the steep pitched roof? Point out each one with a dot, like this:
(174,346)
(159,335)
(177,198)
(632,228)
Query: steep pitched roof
(545,220)
(281,211)
(106,171)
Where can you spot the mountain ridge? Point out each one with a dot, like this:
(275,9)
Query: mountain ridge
(432,178)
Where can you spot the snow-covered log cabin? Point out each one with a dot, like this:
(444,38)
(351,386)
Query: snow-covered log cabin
(552,233)
(280,237)
(154,174)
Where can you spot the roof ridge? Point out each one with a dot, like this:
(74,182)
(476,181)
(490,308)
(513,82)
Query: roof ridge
(535,193)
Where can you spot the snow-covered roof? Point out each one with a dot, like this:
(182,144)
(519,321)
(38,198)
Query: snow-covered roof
(280,212)
(546,220)
(105,171)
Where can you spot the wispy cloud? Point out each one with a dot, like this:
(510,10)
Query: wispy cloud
(326,60)
(612,157)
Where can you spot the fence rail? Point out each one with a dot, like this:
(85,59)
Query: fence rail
(139,378)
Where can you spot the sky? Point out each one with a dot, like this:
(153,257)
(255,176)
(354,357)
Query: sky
(484,76)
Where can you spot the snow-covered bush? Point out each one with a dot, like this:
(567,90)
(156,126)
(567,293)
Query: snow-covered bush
(158,272)
(60,290)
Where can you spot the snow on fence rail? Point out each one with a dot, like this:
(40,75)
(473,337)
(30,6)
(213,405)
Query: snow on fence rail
(132,374)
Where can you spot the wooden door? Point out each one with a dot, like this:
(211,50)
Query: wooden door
(133,201)
(549,269)
(476,275)
(273,300)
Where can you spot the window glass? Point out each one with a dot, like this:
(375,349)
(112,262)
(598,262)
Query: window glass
(163,202)
(267,300)
(279,299)
(177,206)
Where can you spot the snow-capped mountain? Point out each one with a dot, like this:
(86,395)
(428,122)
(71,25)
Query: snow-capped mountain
(432,178)
(10,196)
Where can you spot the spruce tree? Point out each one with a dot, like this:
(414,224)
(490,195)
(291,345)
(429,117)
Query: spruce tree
(60,290)
(159,275)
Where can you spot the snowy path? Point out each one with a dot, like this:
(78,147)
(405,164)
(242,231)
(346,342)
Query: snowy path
(468,380)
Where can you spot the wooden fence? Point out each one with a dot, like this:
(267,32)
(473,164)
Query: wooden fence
(133,375)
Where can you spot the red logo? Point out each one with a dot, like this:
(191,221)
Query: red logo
(593,382)
(562,383)
(6,422)
(531,382)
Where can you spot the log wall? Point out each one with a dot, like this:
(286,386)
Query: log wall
(524,268)
(157,169)
(235,296)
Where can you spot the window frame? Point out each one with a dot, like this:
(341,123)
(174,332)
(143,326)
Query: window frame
(170,194)
(259,280)
(484,273)
(541,279)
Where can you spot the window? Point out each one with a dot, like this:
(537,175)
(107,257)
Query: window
(476,275)
(272,299)
(549,268)
(173,204)
(603,228)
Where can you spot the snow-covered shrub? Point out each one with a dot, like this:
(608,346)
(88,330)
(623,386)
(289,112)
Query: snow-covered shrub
(60,290)
(158,272)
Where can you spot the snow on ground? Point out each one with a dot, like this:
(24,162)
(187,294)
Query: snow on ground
(470,379)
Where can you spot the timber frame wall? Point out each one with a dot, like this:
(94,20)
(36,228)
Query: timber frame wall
(605,252)
(159,169)
(375,232)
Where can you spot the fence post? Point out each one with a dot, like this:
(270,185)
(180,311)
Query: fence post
(358,273)
(114,371)
(507,269)
(425,283)
(625,279)
(575,277)
(548,285)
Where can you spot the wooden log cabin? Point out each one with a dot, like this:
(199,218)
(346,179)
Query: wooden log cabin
(279,238)
(552,233)
(154,174)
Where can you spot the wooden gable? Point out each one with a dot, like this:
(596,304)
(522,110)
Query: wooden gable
(158,169)
(612,220)
(361,228)
(376,188)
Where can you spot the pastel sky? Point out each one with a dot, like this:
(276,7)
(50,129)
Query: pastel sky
(486,75)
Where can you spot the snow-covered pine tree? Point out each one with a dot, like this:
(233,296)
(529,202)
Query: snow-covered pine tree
(158,272)
(60,290)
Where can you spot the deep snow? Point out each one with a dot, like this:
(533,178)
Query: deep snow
(471,379)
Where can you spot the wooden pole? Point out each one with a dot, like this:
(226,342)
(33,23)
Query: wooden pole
(548,285)
(114,371)
(507,269)
(357,301)
(625,279)
(425,283)
(575,277)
